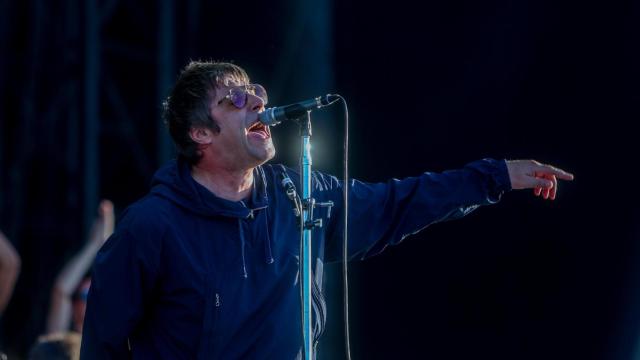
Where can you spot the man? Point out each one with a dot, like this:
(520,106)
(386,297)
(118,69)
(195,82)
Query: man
(206,265)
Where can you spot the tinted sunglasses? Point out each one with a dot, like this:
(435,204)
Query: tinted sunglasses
(239,95)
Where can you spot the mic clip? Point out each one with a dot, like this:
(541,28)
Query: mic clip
(306,204)
(311,204)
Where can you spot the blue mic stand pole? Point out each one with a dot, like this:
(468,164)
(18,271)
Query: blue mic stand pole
(307,224)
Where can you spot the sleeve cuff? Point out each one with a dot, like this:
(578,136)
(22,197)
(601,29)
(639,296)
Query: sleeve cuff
(501,176)
(496,177)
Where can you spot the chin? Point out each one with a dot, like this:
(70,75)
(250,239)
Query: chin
(264,156)
(270,155)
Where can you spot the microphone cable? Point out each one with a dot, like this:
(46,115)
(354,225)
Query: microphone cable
(345,258)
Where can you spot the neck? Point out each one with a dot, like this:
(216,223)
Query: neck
(229,184)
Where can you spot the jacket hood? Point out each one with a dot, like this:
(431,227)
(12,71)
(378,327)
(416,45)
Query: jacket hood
(175,183)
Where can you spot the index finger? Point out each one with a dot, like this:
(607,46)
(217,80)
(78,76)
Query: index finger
(564,175)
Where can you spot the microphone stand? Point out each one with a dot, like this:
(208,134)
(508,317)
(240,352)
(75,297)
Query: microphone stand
(303,208)
(307,224)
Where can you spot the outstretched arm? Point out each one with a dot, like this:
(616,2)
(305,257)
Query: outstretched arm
(9,270)
(384,214)
(69,278)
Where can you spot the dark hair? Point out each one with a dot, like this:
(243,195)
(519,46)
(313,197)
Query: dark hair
(58,346)
(188,103)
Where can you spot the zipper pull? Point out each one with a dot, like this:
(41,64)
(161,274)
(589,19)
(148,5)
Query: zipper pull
(217,300)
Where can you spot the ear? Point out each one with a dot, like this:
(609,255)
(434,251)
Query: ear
(201,135)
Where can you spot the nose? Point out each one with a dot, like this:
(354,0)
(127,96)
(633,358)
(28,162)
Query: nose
(255,102)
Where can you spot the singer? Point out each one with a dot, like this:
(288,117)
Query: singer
(206,265)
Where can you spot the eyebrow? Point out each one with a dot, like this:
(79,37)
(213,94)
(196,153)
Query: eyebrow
(225,90)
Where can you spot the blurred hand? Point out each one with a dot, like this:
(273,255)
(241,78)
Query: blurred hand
(105,208)
(542,178)
(107,217)
(104,223)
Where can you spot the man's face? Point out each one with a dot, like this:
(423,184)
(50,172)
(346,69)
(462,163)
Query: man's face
(243,142)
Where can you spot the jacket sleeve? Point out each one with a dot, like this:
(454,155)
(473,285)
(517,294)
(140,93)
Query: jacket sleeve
(124,274)
(385,213)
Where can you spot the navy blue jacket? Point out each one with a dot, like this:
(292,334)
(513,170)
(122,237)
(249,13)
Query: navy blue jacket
(188,275)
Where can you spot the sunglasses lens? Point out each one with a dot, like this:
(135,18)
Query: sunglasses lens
(260,92)
(238,97)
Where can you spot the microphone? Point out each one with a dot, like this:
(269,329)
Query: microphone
(276,115)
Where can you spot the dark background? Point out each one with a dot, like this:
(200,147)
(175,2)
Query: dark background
(430,86)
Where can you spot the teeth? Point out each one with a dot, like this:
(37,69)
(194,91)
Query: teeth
(254,126)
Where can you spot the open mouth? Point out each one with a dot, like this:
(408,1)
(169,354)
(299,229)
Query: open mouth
(259,128)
